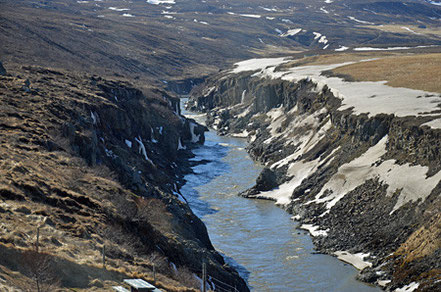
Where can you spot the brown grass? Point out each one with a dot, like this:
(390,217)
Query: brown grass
(417,71)
(423,242)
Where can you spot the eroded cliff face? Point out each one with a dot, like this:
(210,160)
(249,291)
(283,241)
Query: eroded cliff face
(366,186)
(91,162)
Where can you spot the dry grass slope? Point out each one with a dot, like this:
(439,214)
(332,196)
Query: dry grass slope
(416,71)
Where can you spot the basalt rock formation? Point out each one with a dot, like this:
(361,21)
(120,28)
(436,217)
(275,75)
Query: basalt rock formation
(366,186)
(94,166)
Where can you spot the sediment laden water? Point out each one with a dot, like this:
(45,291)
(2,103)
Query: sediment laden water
(257,237)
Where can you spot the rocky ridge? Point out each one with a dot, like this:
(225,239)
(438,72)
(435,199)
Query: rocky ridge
(366,186)
(95,164)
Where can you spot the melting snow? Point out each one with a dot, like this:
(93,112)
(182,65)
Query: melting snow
(119,9)
(369,166)
(410,30)
(324,10)
(362,97)
(383,283)
(291,32)
(141,149)
(435,124)
(341,49)
(359,21)
(389,48)
(357,260)
(251,15)
(314,230)
(258,64)
(408,288)
(434,2)
(322,38)
(157,2)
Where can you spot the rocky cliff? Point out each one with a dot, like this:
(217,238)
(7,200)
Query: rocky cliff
(91,166)
(357,164)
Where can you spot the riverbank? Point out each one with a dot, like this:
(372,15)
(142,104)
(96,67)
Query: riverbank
(361,173)
(256,237)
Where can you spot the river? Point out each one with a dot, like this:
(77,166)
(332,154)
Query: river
(256,236)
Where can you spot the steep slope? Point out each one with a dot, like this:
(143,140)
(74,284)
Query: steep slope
(357,163)
(90,165)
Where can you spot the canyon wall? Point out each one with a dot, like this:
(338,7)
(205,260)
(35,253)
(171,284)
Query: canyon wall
(366,185)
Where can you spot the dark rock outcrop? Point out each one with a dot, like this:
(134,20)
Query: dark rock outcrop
(99,159)
(2,70)
(298,132)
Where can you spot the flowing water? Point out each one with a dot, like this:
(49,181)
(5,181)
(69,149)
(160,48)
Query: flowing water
(255,236)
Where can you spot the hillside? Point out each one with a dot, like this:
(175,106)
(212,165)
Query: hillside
(357,163)
(173,40)
(93,148)
(94,163)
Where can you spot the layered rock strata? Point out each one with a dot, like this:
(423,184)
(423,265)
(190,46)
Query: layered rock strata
(357,164)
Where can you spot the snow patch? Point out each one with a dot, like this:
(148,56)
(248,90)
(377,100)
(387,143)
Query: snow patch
(251,15)
(383,283)
(119,9)
(357,260)
(299,171)
(258,64)
(434,124)
(314,230)
(370,166)
(359,21)
(157,2)
(408,288)
(128,143)
(141,149)
(434,2)
(341,49)
(368,97)
(389,48)
(291,32)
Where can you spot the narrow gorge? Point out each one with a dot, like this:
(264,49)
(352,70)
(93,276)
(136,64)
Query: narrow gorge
(357,163)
